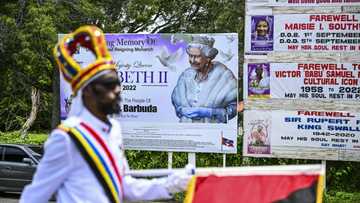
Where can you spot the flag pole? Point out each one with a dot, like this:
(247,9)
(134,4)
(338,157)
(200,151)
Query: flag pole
(192,158)
(170,160)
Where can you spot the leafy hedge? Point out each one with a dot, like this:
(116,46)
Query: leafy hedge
(341,197)
(14,138)
(343,183)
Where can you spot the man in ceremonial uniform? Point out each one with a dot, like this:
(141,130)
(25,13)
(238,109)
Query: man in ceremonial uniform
(84,159)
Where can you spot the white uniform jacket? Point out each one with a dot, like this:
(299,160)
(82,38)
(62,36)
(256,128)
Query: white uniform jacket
(63,170)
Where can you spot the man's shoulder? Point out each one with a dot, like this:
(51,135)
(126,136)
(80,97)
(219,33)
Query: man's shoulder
(59,136)
(71,122)
(64,127)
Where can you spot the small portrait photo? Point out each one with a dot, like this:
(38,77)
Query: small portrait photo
(259,80)
(262,33)
(258,136)
(259,141)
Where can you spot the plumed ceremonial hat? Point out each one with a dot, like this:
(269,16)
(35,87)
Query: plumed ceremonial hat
(92,38)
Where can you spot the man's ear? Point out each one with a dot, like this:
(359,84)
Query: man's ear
(92,90)
(87,91)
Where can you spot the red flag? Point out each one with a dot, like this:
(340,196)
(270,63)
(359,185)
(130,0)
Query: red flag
(257,187)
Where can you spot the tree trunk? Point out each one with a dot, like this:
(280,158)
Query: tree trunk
(35,103)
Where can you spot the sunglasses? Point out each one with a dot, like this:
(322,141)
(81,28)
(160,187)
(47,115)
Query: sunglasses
(108,84)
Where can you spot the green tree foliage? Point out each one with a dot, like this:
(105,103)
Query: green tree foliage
(28,32)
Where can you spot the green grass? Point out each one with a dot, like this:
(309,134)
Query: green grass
(14,138)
